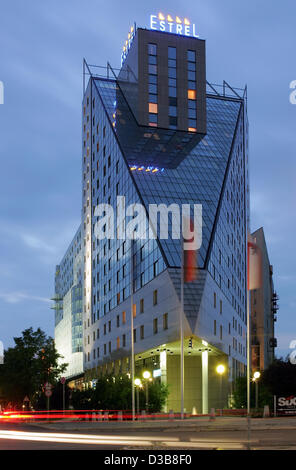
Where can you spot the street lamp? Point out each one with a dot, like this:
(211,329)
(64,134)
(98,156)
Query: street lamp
(220,370)
(256,377)
(138,384)
(146,376)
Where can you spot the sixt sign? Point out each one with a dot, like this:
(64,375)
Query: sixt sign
(286,405)
(175,25)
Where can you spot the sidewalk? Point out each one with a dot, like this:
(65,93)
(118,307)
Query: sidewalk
(197,424)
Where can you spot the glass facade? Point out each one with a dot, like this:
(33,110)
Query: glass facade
(147,165)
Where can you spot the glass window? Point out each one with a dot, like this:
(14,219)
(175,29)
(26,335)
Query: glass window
(152,79)
(152,59)
(142,306)
(192,113)
(152,98)
(165,321)
(152,117)
(191,75)
(172,111)
(172,101)
(192,104)
(152,49)
(191,85)
(191,66)
(191,94)
(172,82)
(172,53)
(173,63)
(172,91)
(153,108)
(153,69)
(191,56)
(172,73)
(191,122)
(152,88)
(173,121)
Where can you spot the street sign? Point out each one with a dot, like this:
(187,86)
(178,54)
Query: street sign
(47,386)
(63,380)
(48,393)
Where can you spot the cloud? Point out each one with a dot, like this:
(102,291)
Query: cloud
(16,297)
(37,244)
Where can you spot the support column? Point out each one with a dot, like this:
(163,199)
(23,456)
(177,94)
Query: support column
(163,368)
(205,381)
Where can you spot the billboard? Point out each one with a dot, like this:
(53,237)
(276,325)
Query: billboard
(286,405)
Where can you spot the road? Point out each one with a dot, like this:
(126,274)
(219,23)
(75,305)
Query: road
(20,436)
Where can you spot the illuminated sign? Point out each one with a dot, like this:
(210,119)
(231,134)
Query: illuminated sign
(146,169)
(157,373)
(175,25)
(128,43)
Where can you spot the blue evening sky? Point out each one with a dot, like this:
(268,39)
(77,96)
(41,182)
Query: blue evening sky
(42,44)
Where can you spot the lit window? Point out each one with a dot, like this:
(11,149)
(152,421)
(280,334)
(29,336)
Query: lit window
(191,94)
(191,129)
(153,108)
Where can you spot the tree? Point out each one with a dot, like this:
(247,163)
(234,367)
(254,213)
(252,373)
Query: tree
(114,393)
(280,378)
(28,365)
(240,394)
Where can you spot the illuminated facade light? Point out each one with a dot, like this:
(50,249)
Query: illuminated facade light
(148,169)
(178,20)
(161,17)
(186,22)
(170,19)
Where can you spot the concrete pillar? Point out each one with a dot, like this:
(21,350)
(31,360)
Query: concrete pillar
(205,381)
(163,368)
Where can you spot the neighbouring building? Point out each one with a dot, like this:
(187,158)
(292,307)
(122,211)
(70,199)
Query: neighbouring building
(157,132)
(264,307)
(68,308)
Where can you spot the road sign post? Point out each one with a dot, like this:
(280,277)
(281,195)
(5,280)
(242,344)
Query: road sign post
(63,381)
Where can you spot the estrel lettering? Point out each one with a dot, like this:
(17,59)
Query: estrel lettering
(173,25)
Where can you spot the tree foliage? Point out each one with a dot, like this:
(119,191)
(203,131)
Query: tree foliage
(240,394)
(115,394)
(28,365)
(278,379)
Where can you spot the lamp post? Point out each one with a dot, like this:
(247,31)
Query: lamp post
(138,384)
(220,370)
(256,377)
(146,376)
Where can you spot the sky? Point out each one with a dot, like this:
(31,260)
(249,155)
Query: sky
(42,45)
